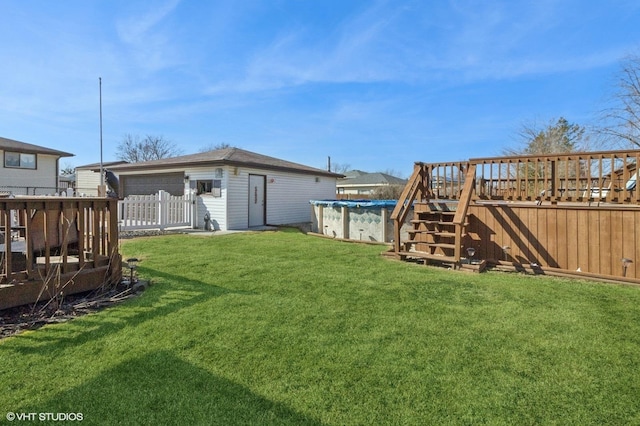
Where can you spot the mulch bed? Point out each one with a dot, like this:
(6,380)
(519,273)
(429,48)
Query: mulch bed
(30,317)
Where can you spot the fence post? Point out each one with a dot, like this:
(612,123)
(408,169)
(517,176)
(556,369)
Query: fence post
(345,222)
(193,205)
(384,213)
(162,209)
(120,208)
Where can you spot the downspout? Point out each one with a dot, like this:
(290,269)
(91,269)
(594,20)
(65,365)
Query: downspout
(57,173)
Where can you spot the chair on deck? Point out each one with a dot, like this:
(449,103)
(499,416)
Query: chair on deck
(596,193)
(601,194)
(631,183)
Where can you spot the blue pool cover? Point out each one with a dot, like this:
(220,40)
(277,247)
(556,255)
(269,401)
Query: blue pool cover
(355,203)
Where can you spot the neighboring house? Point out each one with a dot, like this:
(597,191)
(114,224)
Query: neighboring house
(236,189)
(359,182)
(29,169)
(67,183)
(88,177)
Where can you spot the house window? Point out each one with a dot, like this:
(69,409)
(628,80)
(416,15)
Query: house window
(212,187)
(19,160)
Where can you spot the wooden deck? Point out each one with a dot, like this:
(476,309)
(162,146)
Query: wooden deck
(52,246)
(577,214)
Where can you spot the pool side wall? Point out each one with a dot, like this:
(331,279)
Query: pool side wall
(356,222)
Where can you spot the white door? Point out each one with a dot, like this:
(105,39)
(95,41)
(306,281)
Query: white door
(256,200)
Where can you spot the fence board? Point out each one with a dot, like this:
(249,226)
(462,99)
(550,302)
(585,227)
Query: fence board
(157,211)
(594,239)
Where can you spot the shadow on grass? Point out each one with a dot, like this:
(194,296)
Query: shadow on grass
(174,294)
(160,388)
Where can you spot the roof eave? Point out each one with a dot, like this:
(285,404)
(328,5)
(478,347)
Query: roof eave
(133,167)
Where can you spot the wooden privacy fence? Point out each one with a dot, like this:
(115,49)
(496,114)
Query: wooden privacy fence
(156,211)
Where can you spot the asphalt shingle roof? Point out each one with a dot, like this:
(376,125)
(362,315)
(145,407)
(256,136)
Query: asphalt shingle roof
(226,156)
(13,145)
(372,179)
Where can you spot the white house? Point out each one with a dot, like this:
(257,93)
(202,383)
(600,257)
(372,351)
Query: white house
(236,189)
(29,169)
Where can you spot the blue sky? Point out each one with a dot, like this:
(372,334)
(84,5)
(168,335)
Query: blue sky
(374,84)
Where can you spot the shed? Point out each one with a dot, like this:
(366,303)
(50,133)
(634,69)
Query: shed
(235,188)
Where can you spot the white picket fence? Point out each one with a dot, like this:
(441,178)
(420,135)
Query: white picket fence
(157,211)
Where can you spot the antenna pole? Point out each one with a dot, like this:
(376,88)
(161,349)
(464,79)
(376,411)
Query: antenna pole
(101,167)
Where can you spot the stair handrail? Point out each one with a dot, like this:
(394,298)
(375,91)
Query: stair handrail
(414,186)
(463,205)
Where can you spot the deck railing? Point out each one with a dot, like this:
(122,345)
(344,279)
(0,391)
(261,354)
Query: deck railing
(591,178)
(40,234)
(608,176)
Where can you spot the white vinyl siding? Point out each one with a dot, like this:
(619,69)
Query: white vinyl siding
(216,206)
(44,177)
(87,182)
(238,197)
(287,196)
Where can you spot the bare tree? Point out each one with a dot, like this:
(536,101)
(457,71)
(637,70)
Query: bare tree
(214,147)
(134,150)
(340,168)
(622,118)
(67,170)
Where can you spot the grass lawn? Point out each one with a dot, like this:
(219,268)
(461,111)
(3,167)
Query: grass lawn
(284,328)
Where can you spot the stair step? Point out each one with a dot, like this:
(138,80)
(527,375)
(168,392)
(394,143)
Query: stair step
(446,234)
(431,222)
(435,222)
(423,255)
(438,245)
(437,212)
(432,232)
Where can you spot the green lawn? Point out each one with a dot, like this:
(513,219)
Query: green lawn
(284,328)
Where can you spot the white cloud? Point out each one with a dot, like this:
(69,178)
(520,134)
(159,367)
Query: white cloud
(418,43)
(149,43)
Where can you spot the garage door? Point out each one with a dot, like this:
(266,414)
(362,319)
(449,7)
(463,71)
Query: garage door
(173,183)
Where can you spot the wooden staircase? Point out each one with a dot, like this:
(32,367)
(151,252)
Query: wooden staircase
(433,237)
(438,226)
